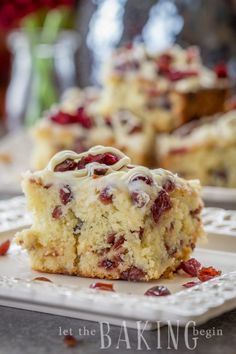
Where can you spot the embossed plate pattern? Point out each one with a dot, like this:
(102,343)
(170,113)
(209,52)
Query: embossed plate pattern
(71,296)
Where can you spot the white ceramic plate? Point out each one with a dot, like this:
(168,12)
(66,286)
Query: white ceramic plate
(71,296)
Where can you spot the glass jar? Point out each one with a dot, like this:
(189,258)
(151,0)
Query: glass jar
(41,71)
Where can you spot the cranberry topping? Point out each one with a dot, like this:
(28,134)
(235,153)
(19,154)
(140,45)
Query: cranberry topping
(102,286)
(83,118)
(190,284)
(106,158)
(161,204)
(65,194)
(133,274)
(140,199)
(4,247)
(169,186)
(109,159)
(158,290)
(106,195)
(42,279)
(145,179)
(207,273)
(80,117)
(221,71)
(70,341)
(63,118)
(78,227)
(67,165)
(191,267)
(57,212)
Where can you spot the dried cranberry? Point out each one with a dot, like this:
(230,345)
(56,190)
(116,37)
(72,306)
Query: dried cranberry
(65,194)
(195,213)
(140,198)
(42,279)
(67,165)
(106,196)
(78,227)
(221,71)
(63,118)
(158,290)
(85,161)
(111,238)
(146,179)
(190,284)
(4,247)
(83,118)
(70,341)
(100,171)
(57,212)
(102,286)
(169,186)
(191,267)
(207,273)
(163,63)
(119,242)
(107,159)
(161,204)
(107,264)
(133,274)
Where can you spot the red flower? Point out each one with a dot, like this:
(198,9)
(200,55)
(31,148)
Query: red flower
(11,13)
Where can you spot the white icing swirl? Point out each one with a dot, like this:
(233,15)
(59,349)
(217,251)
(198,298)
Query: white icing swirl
(60,157)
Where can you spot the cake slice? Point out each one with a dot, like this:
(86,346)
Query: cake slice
(96,215)
(167,88)
(74,124)
(204,149)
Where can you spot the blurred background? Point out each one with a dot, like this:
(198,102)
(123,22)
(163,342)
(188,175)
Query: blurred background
(47,46)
